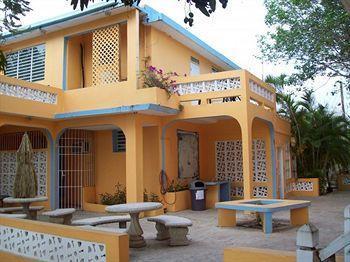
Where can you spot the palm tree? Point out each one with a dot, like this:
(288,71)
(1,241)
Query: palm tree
(322,137)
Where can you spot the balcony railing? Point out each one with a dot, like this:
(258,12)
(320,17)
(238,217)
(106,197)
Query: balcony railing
(223,87)
(21,89)
(216,85)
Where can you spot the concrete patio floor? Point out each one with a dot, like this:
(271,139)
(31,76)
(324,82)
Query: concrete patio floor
(208,241)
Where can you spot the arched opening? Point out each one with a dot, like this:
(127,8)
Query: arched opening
(10,140)
(90,158)
(216,142)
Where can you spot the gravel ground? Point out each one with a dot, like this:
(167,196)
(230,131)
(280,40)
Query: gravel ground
(208,240)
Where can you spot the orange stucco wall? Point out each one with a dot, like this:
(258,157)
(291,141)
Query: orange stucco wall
(177,56)
(109,166)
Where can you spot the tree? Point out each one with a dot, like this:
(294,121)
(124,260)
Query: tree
(322,137)
(207,7)
(314,35)
(11,11)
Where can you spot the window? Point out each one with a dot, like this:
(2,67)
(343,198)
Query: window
(194,67)
(118,139)
(27,64)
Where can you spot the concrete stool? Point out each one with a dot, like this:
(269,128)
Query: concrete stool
(172,227)
(56,216)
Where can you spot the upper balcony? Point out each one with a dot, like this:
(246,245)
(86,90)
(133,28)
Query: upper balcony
(234,87)
(231,88)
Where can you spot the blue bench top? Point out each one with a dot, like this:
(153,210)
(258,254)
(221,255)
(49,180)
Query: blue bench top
(263,205)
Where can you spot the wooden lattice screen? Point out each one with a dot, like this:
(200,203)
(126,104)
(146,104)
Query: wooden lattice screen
(105,56)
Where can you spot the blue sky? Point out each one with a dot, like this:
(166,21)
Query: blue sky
(232,31)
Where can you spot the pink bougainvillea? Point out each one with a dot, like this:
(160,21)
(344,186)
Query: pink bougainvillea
(154,77)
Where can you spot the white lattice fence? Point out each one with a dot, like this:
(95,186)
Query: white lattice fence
(209,86)
(48,247)
(27,93)
(105,56)
(8,165)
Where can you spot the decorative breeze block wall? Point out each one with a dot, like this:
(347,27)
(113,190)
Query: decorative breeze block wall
(27,93)
(209,86)
(105,56)
(47,247)
(259,161)
(8,165)
(229,165)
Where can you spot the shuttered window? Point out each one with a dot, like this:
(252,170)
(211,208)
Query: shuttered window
(27,64)
(118,138)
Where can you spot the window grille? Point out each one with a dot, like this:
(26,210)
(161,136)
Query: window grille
(118,139)
(27,64)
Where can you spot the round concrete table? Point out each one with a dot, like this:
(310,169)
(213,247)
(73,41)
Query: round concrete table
(25,202)
(135,231)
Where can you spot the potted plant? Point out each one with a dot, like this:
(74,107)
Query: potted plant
(177,197)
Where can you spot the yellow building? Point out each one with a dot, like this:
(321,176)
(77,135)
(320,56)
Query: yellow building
(73,83)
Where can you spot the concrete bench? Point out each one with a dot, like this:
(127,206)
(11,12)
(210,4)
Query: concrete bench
(13,215)
(94,221)
(105,229)
(33,211)
(56,216)
(172,227)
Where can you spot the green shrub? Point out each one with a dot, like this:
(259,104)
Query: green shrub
(119,196)
(176,186)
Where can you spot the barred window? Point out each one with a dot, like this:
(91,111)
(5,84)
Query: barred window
(27,64)
(118,139)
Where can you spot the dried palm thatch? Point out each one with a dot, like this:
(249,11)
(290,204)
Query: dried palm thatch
(26,184)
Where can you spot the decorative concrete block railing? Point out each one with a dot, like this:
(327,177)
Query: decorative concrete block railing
(261,91)
(27,93)
(216,85)
(303,187)
(52,242)
(308,241)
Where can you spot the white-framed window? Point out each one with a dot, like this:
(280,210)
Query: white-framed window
(194,67)
(27,64)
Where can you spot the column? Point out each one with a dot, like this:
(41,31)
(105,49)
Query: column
(247,143)
(134,159)
(133,47)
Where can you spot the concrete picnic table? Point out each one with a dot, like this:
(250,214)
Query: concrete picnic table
(24,202)
(299,211)
(135,231)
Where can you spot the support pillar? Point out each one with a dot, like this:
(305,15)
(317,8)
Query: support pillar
(247,144)
(133,56)
(134,160)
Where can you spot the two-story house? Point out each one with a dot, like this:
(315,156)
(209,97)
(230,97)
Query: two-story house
(73,84)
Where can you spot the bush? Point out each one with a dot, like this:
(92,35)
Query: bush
(151,197)
(119,196)
(176,186)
